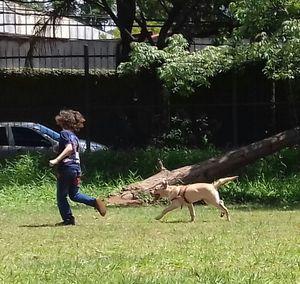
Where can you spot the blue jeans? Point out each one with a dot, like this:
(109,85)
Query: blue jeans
(68,183)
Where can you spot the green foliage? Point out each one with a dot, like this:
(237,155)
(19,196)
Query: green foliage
(274,180)
(181,134)
(144,57)
(181,71)
(186,72)
(26,179)
(283,60)
(138,163)
(257,16)
(271,180)
(275,191)
(266,32)
(25,169)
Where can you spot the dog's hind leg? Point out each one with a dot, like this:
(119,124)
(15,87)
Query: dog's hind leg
(175,204)
(192,211)
(224,210)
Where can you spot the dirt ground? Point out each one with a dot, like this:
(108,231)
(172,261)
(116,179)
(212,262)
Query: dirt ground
(118,200)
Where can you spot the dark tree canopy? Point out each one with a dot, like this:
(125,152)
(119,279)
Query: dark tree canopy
(189,17)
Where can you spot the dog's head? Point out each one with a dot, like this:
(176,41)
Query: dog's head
(158,191)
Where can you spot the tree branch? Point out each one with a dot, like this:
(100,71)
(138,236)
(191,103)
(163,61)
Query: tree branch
(105,6)
(144,30)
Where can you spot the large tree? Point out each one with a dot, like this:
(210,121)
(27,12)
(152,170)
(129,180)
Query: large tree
(207,171)
(189,17)
(267,31)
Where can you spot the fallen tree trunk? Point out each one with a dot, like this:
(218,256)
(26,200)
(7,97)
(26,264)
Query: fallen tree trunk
(214,168)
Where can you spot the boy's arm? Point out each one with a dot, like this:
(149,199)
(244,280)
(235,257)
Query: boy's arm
(65,153)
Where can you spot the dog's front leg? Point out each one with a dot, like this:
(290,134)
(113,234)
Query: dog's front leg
(192,211)
(175,204)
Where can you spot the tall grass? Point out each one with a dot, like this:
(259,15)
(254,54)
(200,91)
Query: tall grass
(274,180)
(141,162)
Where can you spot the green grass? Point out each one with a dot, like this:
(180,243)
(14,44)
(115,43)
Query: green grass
(260,245)
(128,246)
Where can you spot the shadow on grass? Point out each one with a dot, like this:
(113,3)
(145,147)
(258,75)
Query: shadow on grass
(175,221)
(38,226)
(180,221)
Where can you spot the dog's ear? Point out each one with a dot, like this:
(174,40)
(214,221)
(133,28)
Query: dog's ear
(164,183)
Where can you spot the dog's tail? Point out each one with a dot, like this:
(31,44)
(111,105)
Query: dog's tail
(222,181)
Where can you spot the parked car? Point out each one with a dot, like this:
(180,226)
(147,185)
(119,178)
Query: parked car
(22,137)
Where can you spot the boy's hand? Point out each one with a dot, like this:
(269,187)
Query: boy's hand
(53,162)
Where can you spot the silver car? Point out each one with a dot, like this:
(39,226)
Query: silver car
(23,137)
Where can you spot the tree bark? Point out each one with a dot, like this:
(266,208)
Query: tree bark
(211,169)
(126,15)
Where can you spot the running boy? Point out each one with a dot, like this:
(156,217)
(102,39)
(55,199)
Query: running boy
(68,167)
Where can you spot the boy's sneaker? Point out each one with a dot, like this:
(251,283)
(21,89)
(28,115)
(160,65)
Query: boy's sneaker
(66,222)
(100,206)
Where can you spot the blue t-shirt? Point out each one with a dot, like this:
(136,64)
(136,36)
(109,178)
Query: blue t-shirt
(71,162)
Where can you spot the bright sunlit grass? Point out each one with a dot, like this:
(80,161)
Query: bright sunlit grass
(129,246)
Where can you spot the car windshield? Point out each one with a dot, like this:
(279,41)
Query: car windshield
(45,130)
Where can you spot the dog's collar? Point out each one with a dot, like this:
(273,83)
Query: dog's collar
(181,193)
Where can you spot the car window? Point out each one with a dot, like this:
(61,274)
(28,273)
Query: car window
(47,131)
(28,137)
(3,137)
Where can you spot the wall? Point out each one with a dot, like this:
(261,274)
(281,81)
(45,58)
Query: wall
(57,53)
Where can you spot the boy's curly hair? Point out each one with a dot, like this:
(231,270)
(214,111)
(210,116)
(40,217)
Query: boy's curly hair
(70,119)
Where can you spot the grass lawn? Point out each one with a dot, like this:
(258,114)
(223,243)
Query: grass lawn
(129,246)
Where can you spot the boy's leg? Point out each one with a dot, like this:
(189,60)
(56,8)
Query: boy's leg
(62,201)
(77,196)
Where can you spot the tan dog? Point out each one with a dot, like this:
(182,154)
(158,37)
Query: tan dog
(180,195)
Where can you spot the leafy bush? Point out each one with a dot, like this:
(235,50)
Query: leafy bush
(274,180)
(139,162)
(182,134)
(273,191)
(25,169)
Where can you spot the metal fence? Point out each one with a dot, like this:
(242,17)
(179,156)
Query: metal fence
(65,58)
(57,59)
